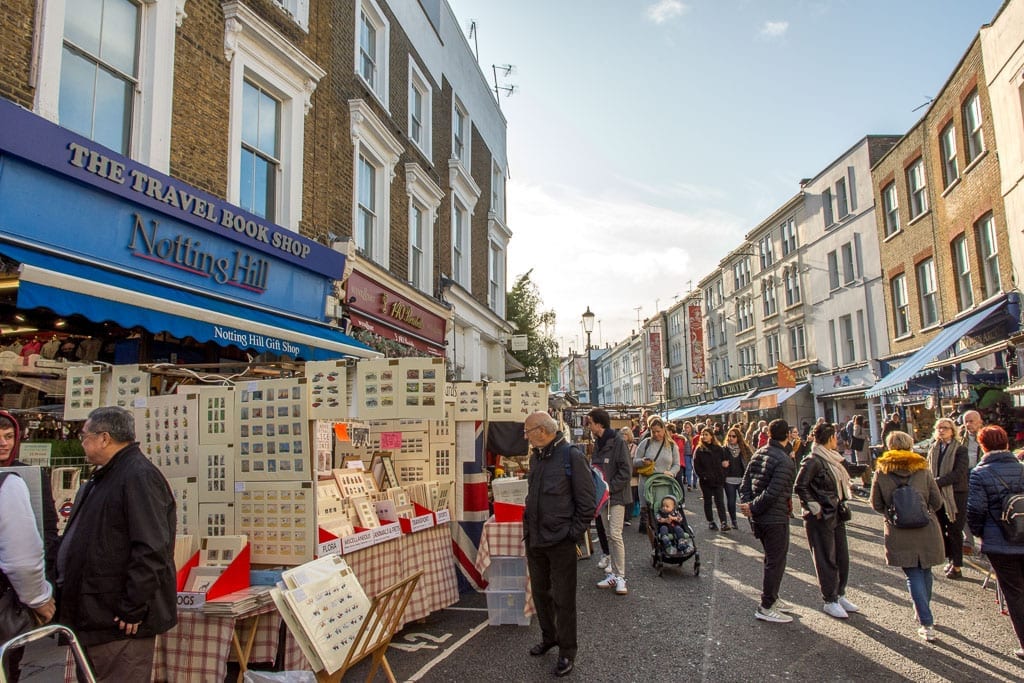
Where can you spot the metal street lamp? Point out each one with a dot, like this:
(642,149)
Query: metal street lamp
(666,373)
(588,327)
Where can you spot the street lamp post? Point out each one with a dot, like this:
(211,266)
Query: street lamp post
(666,373)
(588,327)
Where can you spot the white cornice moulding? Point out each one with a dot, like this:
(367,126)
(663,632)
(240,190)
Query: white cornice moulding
(367,128)
(462,183)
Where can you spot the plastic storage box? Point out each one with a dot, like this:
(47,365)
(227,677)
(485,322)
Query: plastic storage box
(506,607)
(506,574)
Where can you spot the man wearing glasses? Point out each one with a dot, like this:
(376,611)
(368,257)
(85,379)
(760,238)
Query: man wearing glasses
(115,566)
(560,504)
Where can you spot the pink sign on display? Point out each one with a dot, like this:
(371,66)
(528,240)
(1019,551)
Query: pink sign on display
(390,441)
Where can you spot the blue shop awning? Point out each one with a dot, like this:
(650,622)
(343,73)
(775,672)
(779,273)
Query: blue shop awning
(915,365)
(69,288)
(683,413)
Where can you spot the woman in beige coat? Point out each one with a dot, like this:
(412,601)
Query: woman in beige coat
(916,551)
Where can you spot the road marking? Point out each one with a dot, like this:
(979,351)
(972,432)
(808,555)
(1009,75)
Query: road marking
(447,653)
(412,646)
(711,608)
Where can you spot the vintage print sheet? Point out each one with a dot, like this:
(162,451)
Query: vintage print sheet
(216,519)
(216,414)
(127,383)
(279,520)
(469,401)
(327,384)
(167,428)
(422,388)
(216,474)
(378,388)
(186,499)
(83,391)
(272,431)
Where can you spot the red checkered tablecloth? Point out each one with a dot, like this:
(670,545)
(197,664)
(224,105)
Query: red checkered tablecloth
(503,539)
(377,567)
(431,551)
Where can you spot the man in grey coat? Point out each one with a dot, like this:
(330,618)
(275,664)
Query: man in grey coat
(766,497)
(611,456)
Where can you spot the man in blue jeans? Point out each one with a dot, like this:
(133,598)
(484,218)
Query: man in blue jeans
(766,498)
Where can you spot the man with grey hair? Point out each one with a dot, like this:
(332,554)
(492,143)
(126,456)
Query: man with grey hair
(115,566)
(560,504)
(972,425)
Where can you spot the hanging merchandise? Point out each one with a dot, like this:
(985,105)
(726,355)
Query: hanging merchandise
(278,519)
(216,413)
(83,392)
(400,387)
(272,425)
(167,429)
(327,389)
(469,401)
(127,383)
(186,500)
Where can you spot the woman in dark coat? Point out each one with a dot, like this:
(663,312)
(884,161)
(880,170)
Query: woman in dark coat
(948,461)
(739,454)
(997,474)
(711,461)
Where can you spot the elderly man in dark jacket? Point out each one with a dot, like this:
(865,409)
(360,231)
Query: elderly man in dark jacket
(611,456)
(115,565)
(559,508)
(766,497)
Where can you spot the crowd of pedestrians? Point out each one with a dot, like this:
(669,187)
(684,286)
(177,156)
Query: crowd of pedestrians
(929,504)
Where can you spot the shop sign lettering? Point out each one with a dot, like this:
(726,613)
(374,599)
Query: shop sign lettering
(252,340)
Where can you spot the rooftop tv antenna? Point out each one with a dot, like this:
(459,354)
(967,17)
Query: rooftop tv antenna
(928,100)
(506,71)
(473,36)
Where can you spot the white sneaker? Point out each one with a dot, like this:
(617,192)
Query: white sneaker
(928,633)
(605,561)
(607,582)
(783,606)
(847,605)
(620,585)
(772,615)
(834,609)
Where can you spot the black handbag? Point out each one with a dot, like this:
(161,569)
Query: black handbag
(856,443)
(15,617)
(843,512)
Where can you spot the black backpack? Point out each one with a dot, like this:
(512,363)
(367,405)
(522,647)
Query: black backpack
(1011,519)
(907,510)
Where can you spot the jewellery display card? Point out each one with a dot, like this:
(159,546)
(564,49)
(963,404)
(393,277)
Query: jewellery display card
(327,383)
(83,391)
(422,388)
(216,473)
(216,519)
(186,500)
(167,429)
(272,431)
(378,387)
(216,414)
(469,401)
(278,518)
(127,383)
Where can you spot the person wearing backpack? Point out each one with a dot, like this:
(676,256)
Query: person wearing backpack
(905,493)
(991,497)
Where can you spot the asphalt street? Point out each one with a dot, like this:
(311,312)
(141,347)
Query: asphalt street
(682,627)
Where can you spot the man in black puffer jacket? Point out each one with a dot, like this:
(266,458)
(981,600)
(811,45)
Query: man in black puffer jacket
(766,498)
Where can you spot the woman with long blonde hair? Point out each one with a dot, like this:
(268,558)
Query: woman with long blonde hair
(660,449)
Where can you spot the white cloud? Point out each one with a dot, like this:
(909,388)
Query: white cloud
(664,10)
(610,253)
(774,29)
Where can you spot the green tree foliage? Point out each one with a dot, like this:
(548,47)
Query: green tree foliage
(524,305)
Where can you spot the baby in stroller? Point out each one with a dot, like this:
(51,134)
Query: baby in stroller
(671,529)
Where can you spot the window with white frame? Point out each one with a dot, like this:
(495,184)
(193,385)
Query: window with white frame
(917,188)
(788,229)
(460,133)
(496,277)
(988,252)
(420,107)
(900,305)
(833,343)
(748,360)
(797,347)
(99,71)
(711,333)
(298,10)
(766,248)
(846,339)
(721,327)
(372,47)
(741,273)
(709,301)
(424,199)
(891,207)
(367,223)
(497,191)
(826,206)
(417,244)
(849,263)
(842,203)
(769,297)
(460,244)
(792,286)
(719,292)
(726,373)
(927,292)
(972,126)
(962,271)
(833,270)
(744,314)
(772,352)
(271,86)
(260,154)
(947,147)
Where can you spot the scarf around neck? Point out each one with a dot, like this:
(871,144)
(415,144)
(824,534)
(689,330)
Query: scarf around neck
(834,460)
(948,460)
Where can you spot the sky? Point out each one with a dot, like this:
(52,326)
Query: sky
(646,137)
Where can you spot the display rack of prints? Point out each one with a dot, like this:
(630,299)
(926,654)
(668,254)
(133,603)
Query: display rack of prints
(410,469)
(331,510)
(324,607)
(365,511)
(272,427)
(327,384)
(278,518)
(422,388)
(216,519)
(127,383)
(469,401)
(377,385)
(350,482)
(216,473)
(167,429)
(186,500)
(83,391)
(216,414)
